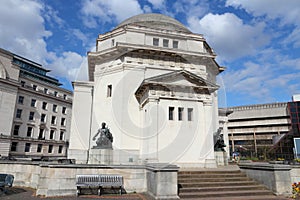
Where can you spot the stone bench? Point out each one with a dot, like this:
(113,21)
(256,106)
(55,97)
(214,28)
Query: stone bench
(6,180)
(99,182)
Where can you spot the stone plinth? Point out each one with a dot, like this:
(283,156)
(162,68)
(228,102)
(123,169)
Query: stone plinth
(100,156)
(221,158)
(162,181)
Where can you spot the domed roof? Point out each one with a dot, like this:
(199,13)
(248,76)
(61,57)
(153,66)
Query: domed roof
(155,21)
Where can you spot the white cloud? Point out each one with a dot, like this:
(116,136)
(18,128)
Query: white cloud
(23,32)
(287,12)
(158,4)
(97,12)
(22,29)
(229,36)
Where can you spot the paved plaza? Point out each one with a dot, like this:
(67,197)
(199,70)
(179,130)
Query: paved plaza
(20,193)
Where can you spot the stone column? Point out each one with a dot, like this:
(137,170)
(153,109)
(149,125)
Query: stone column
(162,181)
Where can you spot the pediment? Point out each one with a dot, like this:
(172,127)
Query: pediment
(181,78)
(180,82)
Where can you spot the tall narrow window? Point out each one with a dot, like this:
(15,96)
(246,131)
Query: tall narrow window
(16,129)
(109,90)
(175,44)
(50,149)
(46,90)
(65,96)
(63,122)
(54,108)
(55,93)
(41,134)
(60,149)
(53,120)
(43,118)
(31,116)
(29,131)
(39,148)
(64,110)
(20,100)
(180,114)
(19,113)
(113,42)
(155,41)
(14,146)
(190,114)
(171,113)
(44,106)
(52,134)
(27,147)
(165,43)
(33,102)
(61,136)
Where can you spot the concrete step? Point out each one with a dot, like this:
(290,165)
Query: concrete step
(213,184)
(209,172)
(221,194)
(221,188)
(183,176)
(216,180)
(262,197)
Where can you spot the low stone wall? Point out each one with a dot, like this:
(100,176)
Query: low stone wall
(277,177)
(160,181)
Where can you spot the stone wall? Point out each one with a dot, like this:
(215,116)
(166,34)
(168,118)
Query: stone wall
(277,177)
(50,179)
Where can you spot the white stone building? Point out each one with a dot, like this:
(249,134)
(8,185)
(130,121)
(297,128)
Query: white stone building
(35,113)
(154,84)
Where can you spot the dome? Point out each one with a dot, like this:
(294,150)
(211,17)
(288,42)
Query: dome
(155,21)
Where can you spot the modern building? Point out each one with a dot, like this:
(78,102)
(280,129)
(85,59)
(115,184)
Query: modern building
(153,82)
(35,112)
(251,129)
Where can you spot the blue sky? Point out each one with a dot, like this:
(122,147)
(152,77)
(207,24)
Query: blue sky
(258,41)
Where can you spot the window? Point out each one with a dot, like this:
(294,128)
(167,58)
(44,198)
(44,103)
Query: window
(60,149)
(52,134)
(27,147)
(29,131)
(165,43)
(46,90)
(53,120)
(61,135)
(41,134)
(55,93)
(13,146)
(155,41)
(180,114)
(20,100)
(31,116)
(64,110)
(175,44)
(50,149)
(54,108)
(109,90)
(65,96)
(34,87)
(39,148)
(44,105)
(33,102)
(19,113)
(63,122)
(171,113)
(23,83)
(16,129)
(190,114)
(43,118)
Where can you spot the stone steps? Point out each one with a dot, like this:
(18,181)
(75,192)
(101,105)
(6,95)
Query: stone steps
(218,184)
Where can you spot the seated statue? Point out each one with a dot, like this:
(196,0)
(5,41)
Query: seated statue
(105,139)
(220,144)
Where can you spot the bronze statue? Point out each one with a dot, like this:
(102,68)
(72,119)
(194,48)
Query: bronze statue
(105,139)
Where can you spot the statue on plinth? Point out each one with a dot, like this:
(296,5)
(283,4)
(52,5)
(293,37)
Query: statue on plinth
(105,139)
(219,144)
